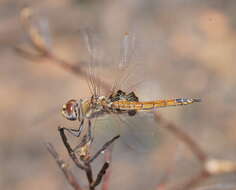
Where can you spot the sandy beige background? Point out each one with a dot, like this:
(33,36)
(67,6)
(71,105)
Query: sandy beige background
(184,49)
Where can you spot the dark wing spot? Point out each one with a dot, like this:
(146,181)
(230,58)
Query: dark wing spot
(117,96)
(132,97)
(120,93)
(132,112)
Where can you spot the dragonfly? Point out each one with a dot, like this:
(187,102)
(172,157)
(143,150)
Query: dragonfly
(117,103)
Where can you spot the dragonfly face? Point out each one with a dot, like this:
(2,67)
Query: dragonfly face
(78,110)
(71,110)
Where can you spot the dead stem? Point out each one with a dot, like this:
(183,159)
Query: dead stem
(64,167)
(84,162)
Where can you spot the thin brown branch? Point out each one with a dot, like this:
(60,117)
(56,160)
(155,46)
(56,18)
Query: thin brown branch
(211,167)
(63,166)
(101,173)
(85,164)
(27,54)
(193,146)
(70,150)
(106,178)
(163,183)
(184,137)
(89,174)
(104,147)
(194,181)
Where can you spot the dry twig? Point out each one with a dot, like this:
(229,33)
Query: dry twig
(63,166)
(84,161)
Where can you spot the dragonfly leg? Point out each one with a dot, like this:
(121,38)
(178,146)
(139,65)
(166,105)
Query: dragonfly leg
(89,135)
(76,132)
(87,138)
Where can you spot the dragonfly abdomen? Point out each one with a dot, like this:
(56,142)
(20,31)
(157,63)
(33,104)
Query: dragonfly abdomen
(151,105)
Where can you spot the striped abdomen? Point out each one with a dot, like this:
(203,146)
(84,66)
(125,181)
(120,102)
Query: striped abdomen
(151,105)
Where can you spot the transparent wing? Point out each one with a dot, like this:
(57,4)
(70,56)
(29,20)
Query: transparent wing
(120,73)
(127,65)
(95,50)
(139,132)
(127,51)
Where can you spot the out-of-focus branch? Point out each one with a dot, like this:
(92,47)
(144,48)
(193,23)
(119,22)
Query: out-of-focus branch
(210,167)
(37,40)
(106,178)
(163,183)
(39,44)
(183,136)
(64,167)
(27,54)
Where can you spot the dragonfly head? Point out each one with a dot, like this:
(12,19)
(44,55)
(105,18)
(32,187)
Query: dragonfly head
(71,110)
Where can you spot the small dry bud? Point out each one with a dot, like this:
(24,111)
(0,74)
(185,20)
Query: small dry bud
(214,166)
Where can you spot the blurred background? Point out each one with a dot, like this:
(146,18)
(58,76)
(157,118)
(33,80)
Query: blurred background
(184,49)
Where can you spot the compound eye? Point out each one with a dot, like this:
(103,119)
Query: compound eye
(68,110)
(69,107)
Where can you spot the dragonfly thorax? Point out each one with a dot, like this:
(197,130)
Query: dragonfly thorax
(95,107)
